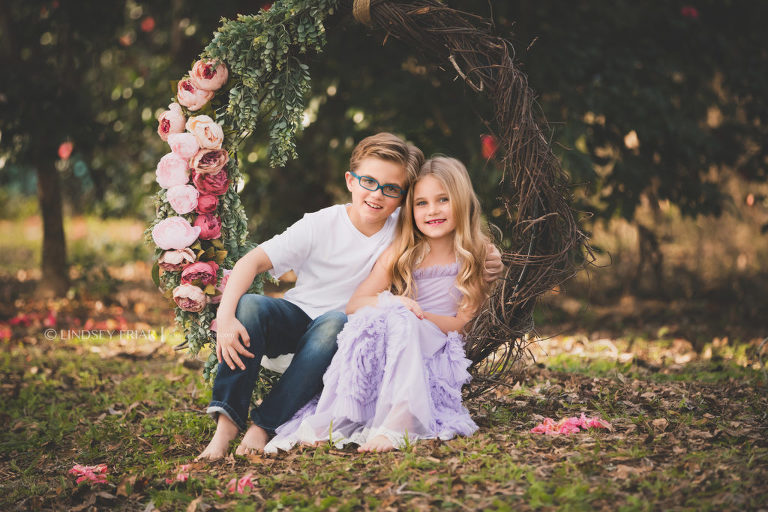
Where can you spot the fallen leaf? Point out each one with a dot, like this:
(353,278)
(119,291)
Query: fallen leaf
(192,507)
(660,424)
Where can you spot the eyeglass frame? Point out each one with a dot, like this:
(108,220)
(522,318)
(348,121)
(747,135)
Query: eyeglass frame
(378,186)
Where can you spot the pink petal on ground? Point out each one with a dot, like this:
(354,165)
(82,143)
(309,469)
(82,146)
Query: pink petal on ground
(95,474)
(231,485)
(245,482)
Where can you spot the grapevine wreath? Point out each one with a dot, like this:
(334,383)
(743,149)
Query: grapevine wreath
(252,73)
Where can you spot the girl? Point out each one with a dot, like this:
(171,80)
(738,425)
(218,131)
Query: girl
(400,365)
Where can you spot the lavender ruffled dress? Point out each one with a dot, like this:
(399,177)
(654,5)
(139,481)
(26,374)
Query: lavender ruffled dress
(393,374)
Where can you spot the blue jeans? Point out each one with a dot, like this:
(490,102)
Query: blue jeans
(276,327)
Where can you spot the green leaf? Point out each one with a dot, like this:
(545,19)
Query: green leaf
(156,274)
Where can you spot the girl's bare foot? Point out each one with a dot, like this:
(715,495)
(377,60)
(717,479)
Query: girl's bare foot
(379,443)
(254,441)
(226,431)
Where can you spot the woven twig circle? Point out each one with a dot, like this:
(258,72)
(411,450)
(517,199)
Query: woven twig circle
(541,234)
(361,10)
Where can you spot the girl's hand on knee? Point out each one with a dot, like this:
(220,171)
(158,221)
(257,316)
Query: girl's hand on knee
(412,306)
(229,348)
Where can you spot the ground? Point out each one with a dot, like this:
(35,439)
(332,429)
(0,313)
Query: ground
(680,380)
(688,432)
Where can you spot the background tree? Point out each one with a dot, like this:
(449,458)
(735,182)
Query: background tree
(647,102)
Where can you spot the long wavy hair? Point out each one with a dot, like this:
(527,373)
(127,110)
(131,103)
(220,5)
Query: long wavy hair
(470,237)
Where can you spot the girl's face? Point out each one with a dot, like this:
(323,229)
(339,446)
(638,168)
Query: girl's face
(432,209)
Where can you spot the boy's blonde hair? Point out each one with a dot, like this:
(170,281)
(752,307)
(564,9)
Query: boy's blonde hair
(389,147)
(470,238)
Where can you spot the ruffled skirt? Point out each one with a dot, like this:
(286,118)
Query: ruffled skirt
(393,375)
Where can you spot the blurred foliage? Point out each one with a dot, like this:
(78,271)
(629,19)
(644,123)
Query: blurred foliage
(644,100)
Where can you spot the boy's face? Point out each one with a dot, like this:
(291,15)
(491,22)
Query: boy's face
(373,207)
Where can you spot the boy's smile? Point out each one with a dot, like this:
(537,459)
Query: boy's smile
(371,208)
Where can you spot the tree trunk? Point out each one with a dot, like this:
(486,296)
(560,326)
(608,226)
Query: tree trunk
(54,258)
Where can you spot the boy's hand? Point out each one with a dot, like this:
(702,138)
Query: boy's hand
(228,347)
(494,267)
(412,306)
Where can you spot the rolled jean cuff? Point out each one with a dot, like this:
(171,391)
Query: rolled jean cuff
(216,408)
(256,419)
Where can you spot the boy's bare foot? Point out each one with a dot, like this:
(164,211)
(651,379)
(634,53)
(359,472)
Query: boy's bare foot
(254,441)
(379,443)
(226,431)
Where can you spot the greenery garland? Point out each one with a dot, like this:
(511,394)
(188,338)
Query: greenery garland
(259,58)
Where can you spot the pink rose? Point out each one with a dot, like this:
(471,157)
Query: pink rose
(183,144)
(172,170)
(215,184)
(207,203)
(208,75)
(220,288)
(210,226)
(203,271)
(170,121)
(173,261)
(183,198)
(208,133)
(190,298)
(209,161)
(174,233)
(192,97)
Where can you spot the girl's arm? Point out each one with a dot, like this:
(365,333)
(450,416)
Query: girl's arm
(451,323)
(377,281)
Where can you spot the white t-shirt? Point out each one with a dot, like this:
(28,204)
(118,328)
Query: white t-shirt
(329,255)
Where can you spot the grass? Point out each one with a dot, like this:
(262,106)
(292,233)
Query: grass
(688,416)
(69,402)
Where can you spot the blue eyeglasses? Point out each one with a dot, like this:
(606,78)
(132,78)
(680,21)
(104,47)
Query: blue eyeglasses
(371,184)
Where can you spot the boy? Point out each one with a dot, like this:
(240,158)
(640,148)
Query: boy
(332,251)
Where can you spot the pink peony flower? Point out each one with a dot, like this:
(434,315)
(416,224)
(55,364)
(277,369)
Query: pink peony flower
(210,161)
(190,298)
(170,121)
(183,198)
(173,261)
(95,474)
(192,97)
(215,184)
(203,271)
(207,203)
(208,75)
(210,226)
(208,133)
(183,144)
(220,288)
(174,233)
(172,170)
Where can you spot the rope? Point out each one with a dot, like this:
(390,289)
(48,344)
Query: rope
(361,10)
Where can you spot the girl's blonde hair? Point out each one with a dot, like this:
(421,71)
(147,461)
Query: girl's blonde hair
(470,238)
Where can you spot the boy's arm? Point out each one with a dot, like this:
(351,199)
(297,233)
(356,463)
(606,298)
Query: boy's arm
(377,281)
(494,267)
(229,329)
